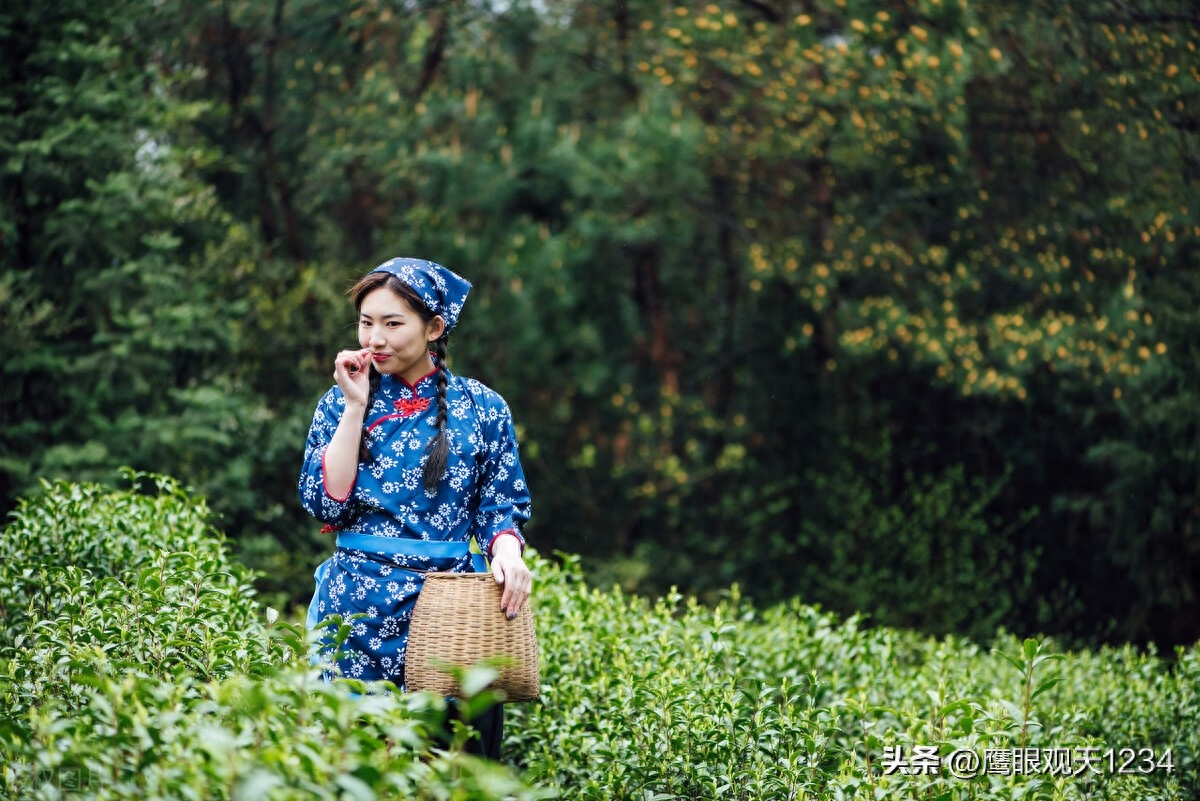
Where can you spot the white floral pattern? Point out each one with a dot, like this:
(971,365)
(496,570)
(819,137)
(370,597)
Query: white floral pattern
(482,495)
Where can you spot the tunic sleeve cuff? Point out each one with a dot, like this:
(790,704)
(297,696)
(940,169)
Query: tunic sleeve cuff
(511,532)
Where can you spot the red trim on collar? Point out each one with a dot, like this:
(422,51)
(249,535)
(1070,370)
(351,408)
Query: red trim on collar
(413,387)
(406,407)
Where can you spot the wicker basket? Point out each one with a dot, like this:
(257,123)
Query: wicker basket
(457,620)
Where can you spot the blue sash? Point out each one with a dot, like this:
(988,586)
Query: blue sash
(405,546)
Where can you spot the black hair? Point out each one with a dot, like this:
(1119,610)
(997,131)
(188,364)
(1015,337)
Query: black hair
(437,451)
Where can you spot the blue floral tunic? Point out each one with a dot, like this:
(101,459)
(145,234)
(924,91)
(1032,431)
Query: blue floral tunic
(390,529)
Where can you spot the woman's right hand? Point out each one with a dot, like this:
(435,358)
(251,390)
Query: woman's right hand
(352,371)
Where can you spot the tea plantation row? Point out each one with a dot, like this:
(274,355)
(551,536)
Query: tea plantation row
(135,662)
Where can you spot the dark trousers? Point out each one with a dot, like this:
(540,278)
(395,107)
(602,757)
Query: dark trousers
(489,724)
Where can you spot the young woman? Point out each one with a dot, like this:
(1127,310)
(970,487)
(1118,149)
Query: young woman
(407,463)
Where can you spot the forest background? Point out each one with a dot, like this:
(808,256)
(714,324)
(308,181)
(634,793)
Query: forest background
(893,305)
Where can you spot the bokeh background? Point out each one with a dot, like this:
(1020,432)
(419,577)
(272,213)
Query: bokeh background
(891,306)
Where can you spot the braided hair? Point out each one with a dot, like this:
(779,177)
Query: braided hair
(364,454)
(437,451)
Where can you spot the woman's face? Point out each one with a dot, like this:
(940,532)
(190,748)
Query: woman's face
(397,334)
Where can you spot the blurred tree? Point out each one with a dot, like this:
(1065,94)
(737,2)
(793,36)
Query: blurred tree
(116,340)
(889,304)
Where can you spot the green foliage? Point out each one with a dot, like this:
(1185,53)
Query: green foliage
(286,736)
(137,663)
(666,700)
(140,582)
(672,699)
(117,333)
(939,562)
(913,551)
(720,253)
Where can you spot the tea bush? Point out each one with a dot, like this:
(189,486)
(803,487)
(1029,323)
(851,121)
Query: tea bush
(287,736)
(137,663)
(673,700)
(137,577)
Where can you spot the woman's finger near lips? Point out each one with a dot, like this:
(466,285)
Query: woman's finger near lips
(356,361)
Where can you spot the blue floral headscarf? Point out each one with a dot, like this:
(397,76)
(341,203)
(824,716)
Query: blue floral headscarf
(443,291)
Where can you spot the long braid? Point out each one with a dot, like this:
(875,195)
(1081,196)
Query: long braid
(364,454)
(437,452)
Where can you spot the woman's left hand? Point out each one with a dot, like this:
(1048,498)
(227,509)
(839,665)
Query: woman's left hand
(509,570)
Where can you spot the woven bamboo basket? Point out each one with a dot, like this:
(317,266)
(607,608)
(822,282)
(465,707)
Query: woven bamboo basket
(457,621)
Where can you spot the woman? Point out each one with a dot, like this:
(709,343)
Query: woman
(408,463)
